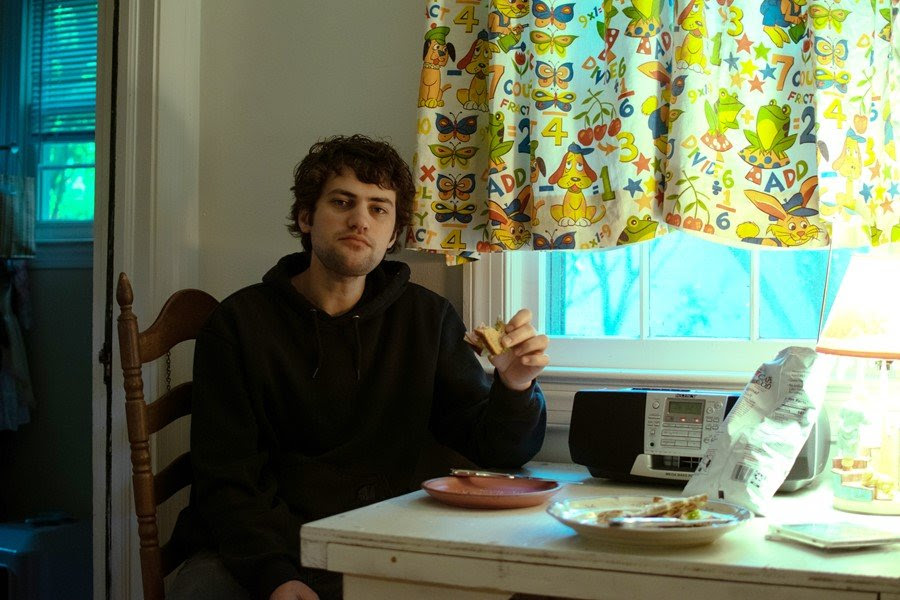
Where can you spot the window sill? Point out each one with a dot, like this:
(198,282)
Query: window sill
(560,384)
(63,254)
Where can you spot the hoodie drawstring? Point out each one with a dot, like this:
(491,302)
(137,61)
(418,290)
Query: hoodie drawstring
(315,320)
(358,345)
(319,343)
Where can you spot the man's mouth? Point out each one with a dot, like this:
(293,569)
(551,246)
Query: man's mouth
(356,239)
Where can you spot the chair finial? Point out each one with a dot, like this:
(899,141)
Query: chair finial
(124,294)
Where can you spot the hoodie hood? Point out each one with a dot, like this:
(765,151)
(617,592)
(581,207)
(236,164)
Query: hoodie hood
(384,285)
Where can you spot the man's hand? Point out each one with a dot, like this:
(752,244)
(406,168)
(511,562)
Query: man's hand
(525,358)
(294,590)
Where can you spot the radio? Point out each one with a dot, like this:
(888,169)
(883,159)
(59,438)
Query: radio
(659,436)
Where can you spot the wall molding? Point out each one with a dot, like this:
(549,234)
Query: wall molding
(155,230)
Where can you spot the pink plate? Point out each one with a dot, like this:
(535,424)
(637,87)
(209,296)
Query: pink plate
(490,492)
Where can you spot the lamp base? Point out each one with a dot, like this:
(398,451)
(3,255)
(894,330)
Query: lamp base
(868,507)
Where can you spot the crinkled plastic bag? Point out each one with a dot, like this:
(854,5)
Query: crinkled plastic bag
(764,431)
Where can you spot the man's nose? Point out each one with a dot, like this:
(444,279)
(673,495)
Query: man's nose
(359,218)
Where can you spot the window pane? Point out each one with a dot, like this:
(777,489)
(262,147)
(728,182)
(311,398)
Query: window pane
(63,66)
(791,285)
(67,181)
(602,293)
(698,288)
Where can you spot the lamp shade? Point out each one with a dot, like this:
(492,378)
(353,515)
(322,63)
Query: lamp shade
(865,318)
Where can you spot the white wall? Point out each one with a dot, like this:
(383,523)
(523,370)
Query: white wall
(276,76)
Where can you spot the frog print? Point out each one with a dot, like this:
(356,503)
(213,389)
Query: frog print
(721,117)
(645,18)
(638,230)
(770,141)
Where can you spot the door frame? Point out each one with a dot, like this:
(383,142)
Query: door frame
(155,227)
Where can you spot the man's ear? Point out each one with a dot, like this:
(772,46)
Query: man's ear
(304,221)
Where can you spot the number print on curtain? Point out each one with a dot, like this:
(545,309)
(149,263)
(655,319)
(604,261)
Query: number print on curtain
(594,124)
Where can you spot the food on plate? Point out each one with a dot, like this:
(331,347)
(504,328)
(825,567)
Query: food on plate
(487,338)
(678,508)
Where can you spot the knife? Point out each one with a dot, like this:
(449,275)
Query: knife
(474,473)
(652,522)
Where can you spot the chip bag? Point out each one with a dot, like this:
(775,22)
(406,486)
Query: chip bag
(764,431)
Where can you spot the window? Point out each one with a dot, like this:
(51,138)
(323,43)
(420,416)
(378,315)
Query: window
(61,69)
(677,308)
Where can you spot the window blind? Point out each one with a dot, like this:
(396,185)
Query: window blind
(64,66)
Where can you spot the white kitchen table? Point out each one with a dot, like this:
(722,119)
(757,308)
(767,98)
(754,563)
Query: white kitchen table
(414,547)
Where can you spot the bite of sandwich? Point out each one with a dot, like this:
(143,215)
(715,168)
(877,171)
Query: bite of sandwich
(485,337)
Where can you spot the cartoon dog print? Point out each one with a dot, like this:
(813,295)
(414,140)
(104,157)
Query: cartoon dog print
(783,20)
(500,22)
(476,62)
(790,225)
(690,53)
(434,57)
(574,175)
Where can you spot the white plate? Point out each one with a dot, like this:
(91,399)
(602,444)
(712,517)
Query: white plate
(580,515)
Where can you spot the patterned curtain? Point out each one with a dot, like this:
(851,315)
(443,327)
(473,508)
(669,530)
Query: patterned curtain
(592,124)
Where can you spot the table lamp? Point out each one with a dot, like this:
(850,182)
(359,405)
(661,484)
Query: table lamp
(864,322)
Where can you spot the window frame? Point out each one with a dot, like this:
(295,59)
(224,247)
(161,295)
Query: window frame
(486,286)
(60,243)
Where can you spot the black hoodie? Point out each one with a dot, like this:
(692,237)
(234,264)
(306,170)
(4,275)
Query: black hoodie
(298,415)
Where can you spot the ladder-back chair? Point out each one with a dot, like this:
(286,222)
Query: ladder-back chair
(180,319)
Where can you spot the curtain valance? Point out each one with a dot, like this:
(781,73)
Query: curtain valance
(589,124)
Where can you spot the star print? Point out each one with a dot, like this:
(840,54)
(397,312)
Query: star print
(650,184)
(642,163)
(747,116)
(879,192)
(660,195)
(748,67)
(875,168)
(756,84)
(887,206)
(645,201)
(634,186)
(893,191)
(737,80)
(761,51)
(865,192)
(656,164)
(732,61)
(744,43)
(768,71)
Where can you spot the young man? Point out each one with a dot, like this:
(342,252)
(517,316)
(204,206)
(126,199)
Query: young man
(317,390)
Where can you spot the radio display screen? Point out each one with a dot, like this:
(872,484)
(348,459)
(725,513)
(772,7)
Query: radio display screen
(686,407)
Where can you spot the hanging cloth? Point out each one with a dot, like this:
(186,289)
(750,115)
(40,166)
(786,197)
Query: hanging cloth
(16,397)
(592,124)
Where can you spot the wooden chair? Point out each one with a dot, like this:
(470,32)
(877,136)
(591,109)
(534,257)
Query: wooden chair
(180,319)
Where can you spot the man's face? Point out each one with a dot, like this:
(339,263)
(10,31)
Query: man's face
(353,225)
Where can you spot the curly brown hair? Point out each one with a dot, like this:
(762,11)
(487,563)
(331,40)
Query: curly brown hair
(372,161)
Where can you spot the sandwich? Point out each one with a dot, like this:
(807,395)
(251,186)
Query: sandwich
(487,338)
(678,508)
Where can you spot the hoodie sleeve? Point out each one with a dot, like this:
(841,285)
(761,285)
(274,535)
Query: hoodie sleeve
(256,535)
(476,414)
